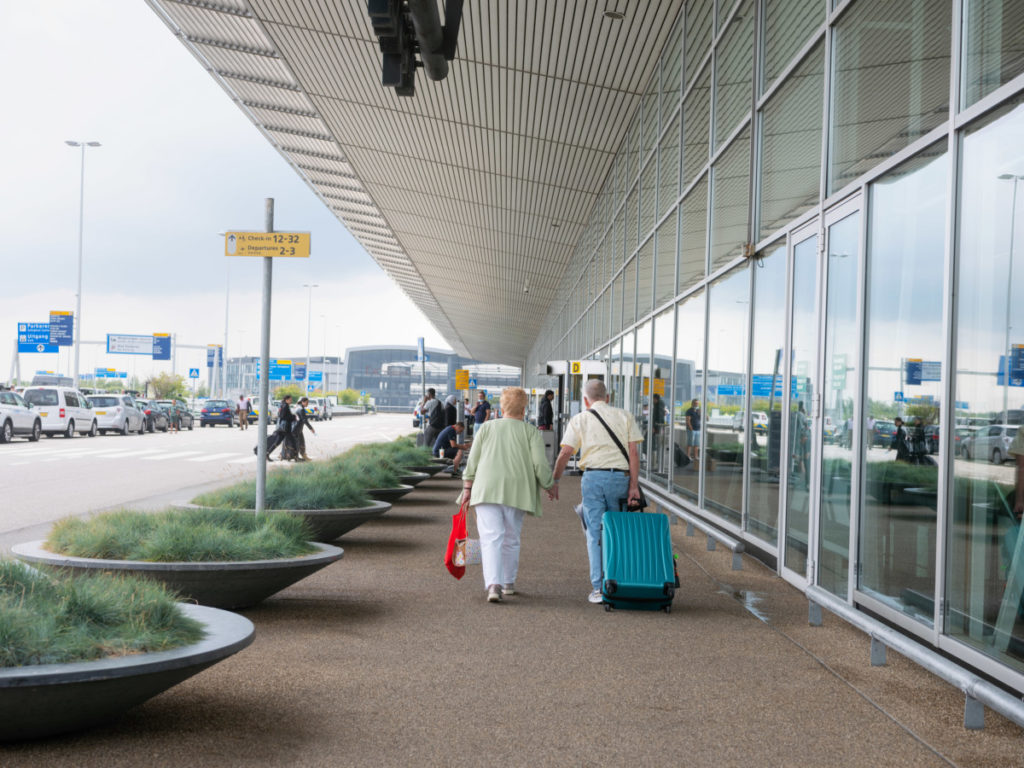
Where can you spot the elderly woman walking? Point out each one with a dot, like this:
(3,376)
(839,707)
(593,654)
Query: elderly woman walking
(506,471)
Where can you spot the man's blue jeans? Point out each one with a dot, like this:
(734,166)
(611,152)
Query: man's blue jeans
(601,493)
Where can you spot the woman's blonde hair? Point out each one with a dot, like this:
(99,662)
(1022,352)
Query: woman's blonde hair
(513,402)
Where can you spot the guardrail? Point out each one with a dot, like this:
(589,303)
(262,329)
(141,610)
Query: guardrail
(693,522)
(978,692)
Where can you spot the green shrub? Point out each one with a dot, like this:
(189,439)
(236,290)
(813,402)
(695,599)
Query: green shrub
(316,485)
(189,535)
(56,618)
(368,467)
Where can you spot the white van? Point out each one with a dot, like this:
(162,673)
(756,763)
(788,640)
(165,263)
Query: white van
(63,410)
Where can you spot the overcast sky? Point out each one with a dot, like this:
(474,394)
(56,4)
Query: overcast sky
(179,164)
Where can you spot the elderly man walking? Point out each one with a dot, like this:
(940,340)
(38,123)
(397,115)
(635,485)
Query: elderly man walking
(607,476)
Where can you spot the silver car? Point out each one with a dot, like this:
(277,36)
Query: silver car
(18,418)
(117,413)
(991,442)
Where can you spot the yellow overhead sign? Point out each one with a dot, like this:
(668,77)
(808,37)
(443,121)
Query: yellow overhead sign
(462,378)
(292,244)
(575,367)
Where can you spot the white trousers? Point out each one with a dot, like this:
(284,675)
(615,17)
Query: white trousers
(499,527)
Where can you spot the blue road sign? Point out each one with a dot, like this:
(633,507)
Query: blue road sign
(897,397)
(193,373)
(299,371)
(362,393)
(310,387)
(316,375)
(215,353)
(35,337)
(161,346)
(62,329)
(472,383)
(1016,377)
(280,371)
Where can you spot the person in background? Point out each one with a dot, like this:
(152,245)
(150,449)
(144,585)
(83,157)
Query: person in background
(451,413)
(506,471)
(432,412)
(693,429)
(607,475)
(447,446)
(301,421)
(481,412)
(545,414)
(242,409)
(283,433)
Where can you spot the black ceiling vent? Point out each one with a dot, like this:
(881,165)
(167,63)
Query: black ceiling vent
(410,28)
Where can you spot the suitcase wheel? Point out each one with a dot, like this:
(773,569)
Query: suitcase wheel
(608,607)
(610,586)
(667,608)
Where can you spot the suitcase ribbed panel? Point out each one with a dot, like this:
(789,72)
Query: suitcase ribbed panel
(637,555)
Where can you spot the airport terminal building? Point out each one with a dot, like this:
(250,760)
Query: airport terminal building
(802,214)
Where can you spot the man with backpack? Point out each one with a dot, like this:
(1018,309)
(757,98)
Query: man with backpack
(433,412)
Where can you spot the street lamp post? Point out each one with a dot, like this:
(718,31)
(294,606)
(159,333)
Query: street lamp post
(81,217)
(1009,288)
(323,360)
(309,325)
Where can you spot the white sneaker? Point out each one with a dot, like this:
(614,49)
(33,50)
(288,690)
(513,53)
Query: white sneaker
(595,596)
(494,594)
(508,589)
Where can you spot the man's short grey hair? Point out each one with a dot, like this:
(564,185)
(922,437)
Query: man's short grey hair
(595,390)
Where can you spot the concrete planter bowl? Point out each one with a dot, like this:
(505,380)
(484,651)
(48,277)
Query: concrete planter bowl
(48,699)
(413,478)
(390,495)
(430,469)
(327,525)
(218,584)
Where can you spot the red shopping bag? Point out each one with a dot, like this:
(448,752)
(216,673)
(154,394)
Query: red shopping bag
(455,564)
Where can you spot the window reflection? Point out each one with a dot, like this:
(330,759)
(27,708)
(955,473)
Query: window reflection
(787,25)
(993,46)
(730,201)
(986,562)
(689,365)
(904,385)
(641,405)
(693,238)
(724,377)
(763,425)
(660,414)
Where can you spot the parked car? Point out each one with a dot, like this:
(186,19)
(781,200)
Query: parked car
(326,411)
(217,412)
(271,417)
(960,437)
(185,420)
(992,443)
(759,420)
(156,416)
(18,418)
(62,410)
(882,433)
(117,413)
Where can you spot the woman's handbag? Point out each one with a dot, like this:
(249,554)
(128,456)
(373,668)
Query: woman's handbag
(462,550)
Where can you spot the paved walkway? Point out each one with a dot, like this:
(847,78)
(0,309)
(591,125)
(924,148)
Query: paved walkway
(383,659)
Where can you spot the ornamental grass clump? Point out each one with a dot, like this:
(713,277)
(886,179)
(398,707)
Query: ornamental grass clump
(187,535)
(405,453)
(56,618)
(368,467)
(313,486)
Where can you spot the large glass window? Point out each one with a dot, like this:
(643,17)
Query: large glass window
(696,122)
(616,304)
(650,110)
(787,25)
(629,294)
(648,196)
(841,338)
(993,47)
(699,15)
(645,278)
(791,145)
(693,254)
(668,168)
(803,386)
(906,242)
(665,278)
(642,390)
(762,427)
(985,579)
(729,299)
(687,394)
(734,72)
(660,418)
(730,202)
(632,214)
(672,71)
(891,81)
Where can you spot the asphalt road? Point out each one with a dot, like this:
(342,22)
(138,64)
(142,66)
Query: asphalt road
(57,477)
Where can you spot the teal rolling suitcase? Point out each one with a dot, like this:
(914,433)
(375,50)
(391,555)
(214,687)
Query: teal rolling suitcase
(636,555)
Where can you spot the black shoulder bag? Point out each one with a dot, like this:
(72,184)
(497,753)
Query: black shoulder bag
(623,503)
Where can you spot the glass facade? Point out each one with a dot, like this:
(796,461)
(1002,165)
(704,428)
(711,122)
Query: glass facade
(802,277)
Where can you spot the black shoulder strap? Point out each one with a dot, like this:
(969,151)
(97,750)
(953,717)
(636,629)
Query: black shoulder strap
(614,437)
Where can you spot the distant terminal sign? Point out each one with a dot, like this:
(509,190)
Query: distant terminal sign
(289,244)
(462,379)
(62,328)
(129,344)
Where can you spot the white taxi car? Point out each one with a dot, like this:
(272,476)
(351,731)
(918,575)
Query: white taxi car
(62,410)
(117,413)
(18,418)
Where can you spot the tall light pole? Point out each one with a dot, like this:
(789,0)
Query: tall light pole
(224,350)
(1009,288)
(309,325)
(323,360)
(81,218)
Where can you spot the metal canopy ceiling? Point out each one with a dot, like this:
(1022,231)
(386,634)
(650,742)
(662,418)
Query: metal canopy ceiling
(477,184)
